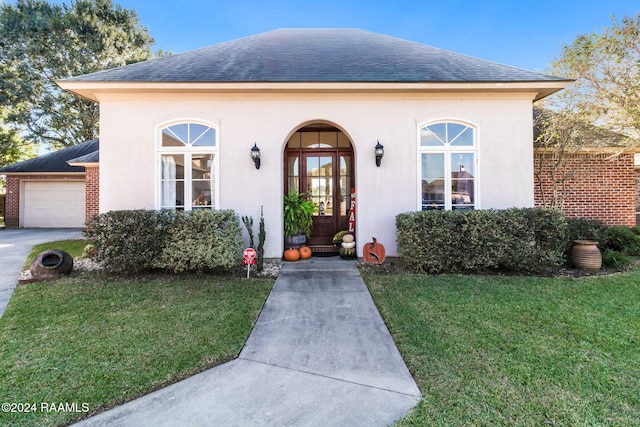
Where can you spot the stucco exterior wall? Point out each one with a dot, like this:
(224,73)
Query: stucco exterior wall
(129,162)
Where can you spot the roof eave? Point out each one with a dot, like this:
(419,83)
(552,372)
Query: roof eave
(95,90)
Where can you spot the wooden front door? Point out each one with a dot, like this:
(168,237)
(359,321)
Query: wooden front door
(324,172)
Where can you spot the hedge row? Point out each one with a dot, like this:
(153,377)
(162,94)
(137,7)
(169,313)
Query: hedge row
(529,240)
(138,240)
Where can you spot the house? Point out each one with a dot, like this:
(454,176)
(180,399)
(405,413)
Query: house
(178,132)
(58,189)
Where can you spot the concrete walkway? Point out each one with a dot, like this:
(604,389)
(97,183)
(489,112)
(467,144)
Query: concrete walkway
(319,355)
(15,245)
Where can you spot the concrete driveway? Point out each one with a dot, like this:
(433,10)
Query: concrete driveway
(15,245)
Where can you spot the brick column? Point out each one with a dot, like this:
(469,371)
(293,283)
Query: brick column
(92,191)
(12,210)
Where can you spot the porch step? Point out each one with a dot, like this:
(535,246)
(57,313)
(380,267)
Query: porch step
(324,250)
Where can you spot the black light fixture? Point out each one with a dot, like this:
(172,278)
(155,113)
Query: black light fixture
(255,155)
(379,153)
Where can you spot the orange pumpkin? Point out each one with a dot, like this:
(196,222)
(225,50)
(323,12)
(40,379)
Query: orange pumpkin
(305,252)
(373,252)
(291,255)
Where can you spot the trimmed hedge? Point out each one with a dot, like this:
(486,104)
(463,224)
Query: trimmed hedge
(529,240)
(132,241)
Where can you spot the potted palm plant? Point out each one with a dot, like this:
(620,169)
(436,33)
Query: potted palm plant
(298,219)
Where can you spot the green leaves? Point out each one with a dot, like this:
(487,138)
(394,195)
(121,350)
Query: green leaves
(42,42)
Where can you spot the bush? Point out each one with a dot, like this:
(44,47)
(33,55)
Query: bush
(203,240)
(617,238)
(622,239)
(139,240)
(129,241)
(517,240)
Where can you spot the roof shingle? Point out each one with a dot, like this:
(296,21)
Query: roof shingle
(317,55)
(55,162)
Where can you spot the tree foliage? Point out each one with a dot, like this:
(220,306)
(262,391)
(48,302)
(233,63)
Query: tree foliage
(601,108)
(606,67)
(42,42)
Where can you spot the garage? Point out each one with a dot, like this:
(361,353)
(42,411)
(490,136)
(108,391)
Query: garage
(54,190)
(54,204)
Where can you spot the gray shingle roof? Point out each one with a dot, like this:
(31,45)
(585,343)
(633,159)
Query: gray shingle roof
(55,161)
(93,157)
(317,55)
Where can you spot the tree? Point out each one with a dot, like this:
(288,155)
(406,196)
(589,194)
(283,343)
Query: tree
(607,71)
(601,108)
(42,42)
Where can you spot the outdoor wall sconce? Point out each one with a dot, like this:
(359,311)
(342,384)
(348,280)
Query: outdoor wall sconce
(255,155)
(379,153)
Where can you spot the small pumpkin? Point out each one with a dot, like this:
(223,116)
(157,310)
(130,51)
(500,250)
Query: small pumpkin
(348,245)
(291,255)
(347,252)
(305,252)
(348,238)
(373,252)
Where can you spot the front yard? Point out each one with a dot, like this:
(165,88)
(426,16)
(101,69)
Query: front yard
(517,351)
(102,341)
(485,350)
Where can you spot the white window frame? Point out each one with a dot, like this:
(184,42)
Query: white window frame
(447,150)
(188,151)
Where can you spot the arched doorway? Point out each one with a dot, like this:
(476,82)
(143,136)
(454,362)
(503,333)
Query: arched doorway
(319,162)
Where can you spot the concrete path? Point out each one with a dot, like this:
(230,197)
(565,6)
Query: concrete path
(319,355)
(15,245)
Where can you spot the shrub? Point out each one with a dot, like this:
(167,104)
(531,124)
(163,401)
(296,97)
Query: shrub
(622,239)
(617,238)
(129,241)
(614,259)
(518,240)
(202,240)
(138,240)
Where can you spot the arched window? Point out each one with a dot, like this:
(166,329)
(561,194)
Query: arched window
(448,166)
(188,167)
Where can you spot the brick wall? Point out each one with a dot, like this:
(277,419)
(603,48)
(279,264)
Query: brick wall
(92,192)
(12,219)
(599,188)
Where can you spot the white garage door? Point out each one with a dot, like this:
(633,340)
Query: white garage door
(54,204)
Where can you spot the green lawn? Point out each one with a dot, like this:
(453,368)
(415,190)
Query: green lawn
(102,341)
(517,351)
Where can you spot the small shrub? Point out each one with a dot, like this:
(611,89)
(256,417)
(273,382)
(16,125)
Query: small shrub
(202,240)
(614,259)
(622,239)
(517,240)
(139,240)
(129,241)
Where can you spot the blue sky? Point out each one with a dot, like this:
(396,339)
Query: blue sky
(523,33)
(526,34)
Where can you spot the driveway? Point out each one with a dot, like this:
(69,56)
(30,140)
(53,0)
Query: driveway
(15,245)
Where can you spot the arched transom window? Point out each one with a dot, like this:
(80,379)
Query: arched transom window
(448,166)
(188,167)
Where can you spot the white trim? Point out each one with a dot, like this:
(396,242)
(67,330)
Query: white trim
(447,151)
(95,90)
(187,151)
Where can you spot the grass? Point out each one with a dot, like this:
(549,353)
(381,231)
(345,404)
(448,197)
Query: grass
(72,247)
(102,341)
(517,351)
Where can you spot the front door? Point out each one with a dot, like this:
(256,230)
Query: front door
(323,170)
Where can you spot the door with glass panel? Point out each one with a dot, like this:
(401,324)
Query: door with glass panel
(320,164)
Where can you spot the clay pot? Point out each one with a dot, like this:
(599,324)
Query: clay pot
(51,264)
(586,255)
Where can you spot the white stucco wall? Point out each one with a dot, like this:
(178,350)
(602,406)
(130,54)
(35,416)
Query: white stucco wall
(129,128)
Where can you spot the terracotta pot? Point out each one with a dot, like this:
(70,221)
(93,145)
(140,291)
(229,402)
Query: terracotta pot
(586,255)
(51,264)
